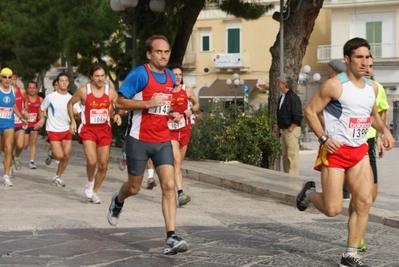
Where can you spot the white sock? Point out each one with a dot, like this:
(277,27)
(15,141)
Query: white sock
(150,173)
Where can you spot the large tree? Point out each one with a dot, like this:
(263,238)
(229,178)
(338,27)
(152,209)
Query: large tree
(299,20)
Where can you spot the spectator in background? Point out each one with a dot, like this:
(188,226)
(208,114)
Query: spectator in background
(289,118)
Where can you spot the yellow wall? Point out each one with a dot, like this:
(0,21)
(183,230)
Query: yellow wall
(257,38)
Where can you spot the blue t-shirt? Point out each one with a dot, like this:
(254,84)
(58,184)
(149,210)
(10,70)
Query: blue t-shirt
(137,80)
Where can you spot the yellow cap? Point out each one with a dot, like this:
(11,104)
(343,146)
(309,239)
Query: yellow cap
(6,71)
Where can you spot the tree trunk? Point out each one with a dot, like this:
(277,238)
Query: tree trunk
(297,30)
(191,10)
(72,86)
(40,81)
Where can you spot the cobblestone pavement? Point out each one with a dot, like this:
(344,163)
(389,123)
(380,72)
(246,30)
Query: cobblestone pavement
(42,225)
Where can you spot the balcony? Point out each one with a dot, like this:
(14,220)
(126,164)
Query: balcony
(231,62)
(189,61)
(381,52)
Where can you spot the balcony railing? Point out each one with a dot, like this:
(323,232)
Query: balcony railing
(379,51)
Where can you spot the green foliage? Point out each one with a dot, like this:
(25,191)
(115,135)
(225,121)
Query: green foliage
(250,140)
(29,37)
(118,132)
(249,10)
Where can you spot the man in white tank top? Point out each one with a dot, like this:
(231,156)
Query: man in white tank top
(348,105)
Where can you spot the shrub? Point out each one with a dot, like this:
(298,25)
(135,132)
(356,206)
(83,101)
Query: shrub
(230,136)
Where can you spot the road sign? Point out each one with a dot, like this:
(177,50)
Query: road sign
(246,88)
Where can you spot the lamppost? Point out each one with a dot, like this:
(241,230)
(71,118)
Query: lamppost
(235,82)
(304,80)
(156,6)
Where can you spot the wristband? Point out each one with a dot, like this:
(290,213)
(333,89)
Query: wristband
(323,139)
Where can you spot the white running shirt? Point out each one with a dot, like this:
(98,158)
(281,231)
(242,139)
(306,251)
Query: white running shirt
(347,119)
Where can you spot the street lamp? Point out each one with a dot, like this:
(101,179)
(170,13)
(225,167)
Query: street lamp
(236,82)
(156,6)
(304,80)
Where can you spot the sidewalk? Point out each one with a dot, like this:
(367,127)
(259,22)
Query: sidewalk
(284,187)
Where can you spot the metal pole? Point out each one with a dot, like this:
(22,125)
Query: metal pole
(134,37)
(306,137)
(281,58)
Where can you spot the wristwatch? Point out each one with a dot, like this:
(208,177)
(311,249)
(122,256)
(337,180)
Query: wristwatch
(323,139)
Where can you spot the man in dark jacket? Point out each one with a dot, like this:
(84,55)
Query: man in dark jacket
(289,117)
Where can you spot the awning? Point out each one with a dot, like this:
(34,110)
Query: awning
(219,89)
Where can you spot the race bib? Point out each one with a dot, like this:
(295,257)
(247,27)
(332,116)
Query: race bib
(5,113)
(177,125)
(98,116)
(17,120)
(32,117)
(162,110)
(358,127)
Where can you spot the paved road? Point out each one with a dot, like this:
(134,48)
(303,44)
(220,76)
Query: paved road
(43,225)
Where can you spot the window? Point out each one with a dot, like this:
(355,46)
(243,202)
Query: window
(233,40)
(206,42)
(374,37)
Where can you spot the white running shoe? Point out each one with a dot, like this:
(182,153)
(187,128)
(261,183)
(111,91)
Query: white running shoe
(89,190)
(57,181)
(32,165)
(6,181)
(96,199)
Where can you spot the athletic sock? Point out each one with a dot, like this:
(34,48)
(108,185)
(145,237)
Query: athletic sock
(179,192)
(117,204)
(150,173)
(350,251)
(169,234)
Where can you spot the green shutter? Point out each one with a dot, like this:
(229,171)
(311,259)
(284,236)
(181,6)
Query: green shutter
(233,41)
(374,37)
(205,43)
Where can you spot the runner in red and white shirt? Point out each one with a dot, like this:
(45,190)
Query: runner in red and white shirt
(97,100)
(33,101)
(180,132)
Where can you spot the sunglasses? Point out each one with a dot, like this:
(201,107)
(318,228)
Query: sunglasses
(6,77)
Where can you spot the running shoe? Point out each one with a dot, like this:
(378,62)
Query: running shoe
(113,211)
(16,162)
(32,165)
(352,261)
(95,199)
(49,156)
(57,181)
(89,190)
(302,202)
(151,183)
(122,164)
(7,181)
(175,244)
(183,199)
(362,246)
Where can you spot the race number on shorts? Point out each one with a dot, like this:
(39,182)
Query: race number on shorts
(358,127)
(162,110)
